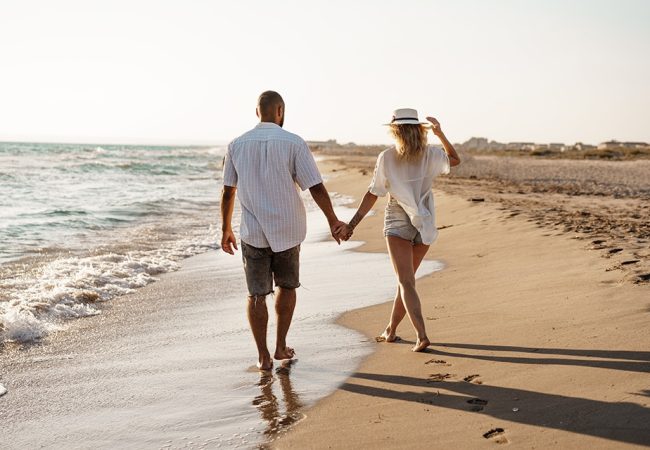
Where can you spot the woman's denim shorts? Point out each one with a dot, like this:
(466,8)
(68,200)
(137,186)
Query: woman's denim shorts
(397,223)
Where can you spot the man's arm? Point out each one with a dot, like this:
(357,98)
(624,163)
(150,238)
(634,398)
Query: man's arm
(228,240)
(322,199)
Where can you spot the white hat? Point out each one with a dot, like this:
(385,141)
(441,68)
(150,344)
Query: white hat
(404,116)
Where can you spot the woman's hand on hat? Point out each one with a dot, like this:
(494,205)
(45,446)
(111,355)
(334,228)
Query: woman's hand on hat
(435,126)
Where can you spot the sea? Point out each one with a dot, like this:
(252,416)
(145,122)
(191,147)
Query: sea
(83,223)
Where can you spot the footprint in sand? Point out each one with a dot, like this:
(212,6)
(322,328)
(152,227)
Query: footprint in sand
(441,362)
(643,278)
(497,435)
(477,404)
(471,378)
(629,261)
(437,377)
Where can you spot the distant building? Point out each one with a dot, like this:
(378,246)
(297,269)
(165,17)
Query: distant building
(523,146)
(616,144)
(494,145)
(635,144)
(579,146)
(556,147)
(476,143)
(608,145)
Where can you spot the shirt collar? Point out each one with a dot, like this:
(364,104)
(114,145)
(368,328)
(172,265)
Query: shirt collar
(267,125)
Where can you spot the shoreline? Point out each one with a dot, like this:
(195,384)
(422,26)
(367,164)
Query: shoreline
(544,350)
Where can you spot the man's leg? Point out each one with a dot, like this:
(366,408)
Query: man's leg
(259,279)
(258,317)
(285,303)
(286,270)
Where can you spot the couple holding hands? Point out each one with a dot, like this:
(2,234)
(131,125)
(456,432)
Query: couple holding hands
(263,166)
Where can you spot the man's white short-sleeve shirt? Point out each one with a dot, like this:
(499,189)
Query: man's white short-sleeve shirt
(267,165)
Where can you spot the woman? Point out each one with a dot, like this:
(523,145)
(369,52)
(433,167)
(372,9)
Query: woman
(406,172)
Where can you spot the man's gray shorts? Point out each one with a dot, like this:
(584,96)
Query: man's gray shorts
(263,266)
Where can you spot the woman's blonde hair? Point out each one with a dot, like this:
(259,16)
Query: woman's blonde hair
(411,141)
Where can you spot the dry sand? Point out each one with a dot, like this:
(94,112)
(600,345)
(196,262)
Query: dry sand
(538,342)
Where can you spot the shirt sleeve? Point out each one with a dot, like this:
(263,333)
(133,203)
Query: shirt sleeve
(440,162)
(379,184)
(305,170)
(229,171)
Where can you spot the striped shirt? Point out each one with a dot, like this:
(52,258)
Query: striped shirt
(266,165)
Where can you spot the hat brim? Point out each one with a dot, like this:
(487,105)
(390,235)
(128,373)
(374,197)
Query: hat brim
(406,122)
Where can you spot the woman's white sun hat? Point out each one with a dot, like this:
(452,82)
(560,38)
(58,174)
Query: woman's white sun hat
(405,116)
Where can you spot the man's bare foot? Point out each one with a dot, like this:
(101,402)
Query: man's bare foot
(421,345)
(286,353)
(389,335)
(265,363)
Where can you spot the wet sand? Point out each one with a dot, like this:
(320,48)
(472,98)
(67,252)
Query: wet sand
(539,341)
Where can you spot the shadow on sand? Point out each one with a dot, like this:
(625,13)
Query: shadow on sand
(618,421)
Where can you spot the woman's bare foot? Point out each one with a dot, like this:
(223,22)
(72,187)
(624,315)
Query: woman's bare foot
(389,335)
(421,344)
(265,362)
(286,353)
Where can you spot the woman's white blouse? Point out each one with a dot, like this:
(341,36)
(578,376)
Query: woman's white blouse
(410,184)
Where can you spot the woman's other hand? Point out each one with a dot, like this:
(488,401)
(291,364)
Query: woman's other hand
(435,126)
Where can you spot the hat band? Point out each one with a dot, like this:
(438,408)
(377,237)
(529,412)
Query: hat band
(404,118)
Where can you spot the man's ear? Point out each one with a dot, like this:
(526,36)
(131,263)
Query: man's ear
(280,110)
(257,112)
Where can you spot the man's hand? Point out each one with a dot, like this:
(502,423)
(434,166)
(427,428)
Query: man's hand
(346,232)
(435,126)
(338,230)
(228,241)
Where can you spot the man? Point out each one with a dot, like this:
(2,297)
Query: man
(264,166)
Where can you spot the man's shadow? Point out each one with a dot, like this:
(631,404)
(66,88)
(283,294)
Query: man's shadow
(277,417)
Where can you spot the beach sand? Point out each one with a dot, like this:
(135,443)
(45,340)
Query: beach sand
(537,340)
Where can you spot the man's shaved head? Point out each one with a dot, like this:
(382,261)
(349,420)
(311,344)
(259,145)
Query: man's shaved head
(270,107)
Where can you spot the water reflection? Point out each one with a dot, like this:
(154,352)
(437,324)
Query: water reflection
(278,415)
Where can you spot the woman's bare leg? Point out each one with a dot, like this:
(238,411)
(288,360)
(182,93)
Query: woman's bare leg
(401,255)
(398,313)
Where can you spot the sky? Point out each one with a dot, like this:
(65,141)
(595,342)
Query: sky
(190,71)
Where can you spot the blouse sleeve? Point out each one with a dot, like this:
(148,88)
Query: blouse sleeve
(379,184)
(440,162)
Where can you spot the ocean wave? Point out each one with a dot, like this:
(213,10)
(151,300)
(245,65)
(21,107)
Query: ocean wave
(36,304)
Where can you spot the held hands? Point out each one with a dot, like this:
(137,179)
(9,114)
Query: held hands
(435,126)
(338,231)
(341,231)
